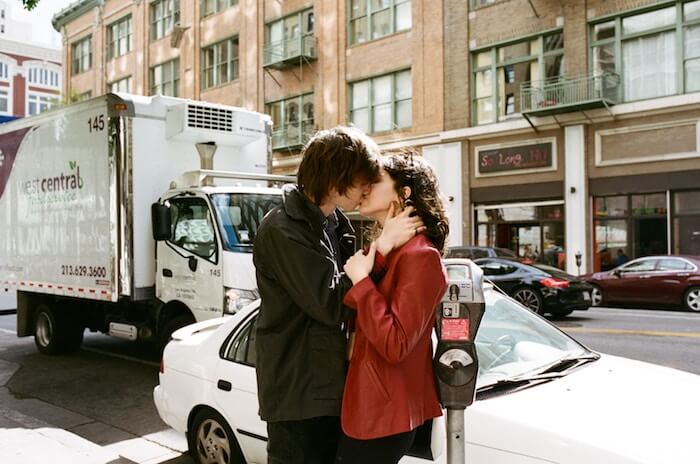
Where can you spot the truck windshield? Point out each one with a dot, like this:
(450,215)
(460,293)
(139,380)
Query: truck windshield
(240,214)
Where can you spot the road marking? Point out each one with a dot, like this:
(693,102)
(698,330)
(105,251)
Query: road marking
(120,356)
(11,332)
(651,313)
(651,333)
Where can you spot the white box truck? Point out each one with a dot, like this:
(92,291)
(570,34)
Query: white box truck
(113,218)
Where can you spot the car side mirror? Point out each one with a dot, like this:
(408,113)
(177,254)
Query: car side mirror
(617,272)
(160,221)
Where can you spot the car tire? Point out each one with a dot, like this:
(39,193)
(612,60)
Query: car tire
(211,441)
(691,299)
(56,332)
(531,298)
(596,296)
(171,326)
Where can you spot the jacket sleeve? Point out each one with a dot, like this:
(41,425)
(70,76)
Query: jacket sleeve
(308,276)
(394,327)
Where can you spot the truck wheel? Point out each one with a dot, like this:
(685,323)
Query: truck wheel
(171,326)
(55,332)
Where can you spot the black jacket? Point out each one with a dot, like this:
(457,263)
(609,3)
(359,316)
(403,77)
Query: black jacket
(301,359)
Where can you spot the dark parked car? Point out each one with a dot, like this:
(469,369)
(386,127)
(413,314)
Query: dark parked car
(652,280)
(476,252)
(543,289)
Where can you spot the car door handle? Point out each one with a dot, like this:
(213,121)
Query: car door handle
(167,273)
(223,385)
(645,277)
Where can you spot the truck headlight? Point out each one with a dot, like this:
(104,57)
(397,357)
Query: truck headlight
(237,298)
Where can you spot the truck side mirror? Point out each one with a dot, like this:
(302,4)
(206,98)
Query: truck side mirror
(160,221)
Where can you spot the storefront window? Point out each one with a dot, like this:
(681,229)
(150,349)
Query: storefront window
(535,232)
(629,226)
(686,223)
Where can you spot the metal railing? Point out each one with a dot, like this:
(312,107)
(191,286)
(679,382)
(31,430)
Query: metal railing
(292,136)
(560,92)
(298,47)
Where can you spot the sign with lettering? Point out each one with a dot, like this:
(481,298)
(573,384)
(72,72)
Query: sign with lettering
(501,160)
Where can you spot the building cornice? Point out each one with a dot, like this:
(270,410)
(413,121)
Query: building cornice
(35,52)
(73,11)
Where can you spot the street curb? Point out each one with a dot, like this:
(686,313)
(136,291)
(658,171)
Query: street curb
(5,312)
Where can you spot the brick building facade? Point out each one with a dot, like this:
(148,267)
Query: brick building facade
(557,127)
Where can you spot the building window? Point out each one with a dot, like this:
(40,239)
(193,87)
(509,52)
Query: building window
(478,3)
(686,223)
(372,19)
(533,231)
(83,96)
(290,37)
(4,101)
(499,73)
(165,78)
(119,38)
(81,55)
(210,7)
(121,85)
(220,63)
(44,77)
(4,71)
(656,52)
(628,225)
(164,15)
(292,121)
(382,103)
(37,103)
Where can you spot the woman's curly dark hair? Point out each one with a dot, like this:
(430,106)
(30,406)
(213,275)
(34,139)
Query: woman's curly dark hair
(409,169)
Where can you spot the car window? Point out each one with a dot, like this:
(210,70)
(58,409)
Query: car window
(496,268)
(642,265)
(193,227)
(506,253)
(479,253)
(242,347)
(673,264)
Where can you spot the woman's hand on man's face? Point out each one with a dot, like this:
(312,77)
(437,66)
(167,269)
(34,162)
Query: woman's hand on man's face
(398,229)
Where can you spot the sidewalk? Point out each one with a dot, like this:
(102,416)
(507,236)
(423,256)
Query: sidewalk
(24,439)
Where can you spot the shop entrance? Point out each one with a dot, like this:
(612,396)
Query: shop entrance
(651,237)
(534,231)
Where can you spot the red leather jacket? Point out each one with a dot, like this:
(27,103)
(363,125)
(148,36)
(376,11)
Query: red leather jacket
(390,386)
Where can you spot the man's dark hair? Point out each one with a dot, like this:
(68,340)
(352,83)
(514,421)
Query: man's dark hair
(337,158)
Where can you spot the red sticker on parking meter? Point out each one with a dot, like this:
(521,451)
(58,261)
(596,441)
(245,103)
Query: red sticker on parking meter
(455,330)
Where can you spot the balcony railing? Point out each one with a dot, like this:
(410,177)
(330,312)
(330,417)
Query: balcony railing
(562,95)
(293,136)
(290,51)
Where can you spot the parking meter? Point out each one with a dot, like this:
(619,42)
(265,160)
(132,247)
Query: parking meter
(456,364)
(578,257)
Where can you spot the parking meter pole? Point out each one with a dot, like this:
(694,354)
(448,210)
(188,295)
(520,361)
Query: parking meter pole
(455,436)
(458,317)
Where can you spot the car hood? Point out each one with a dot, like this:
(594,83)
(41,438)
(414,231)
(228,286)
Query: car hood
(614,410)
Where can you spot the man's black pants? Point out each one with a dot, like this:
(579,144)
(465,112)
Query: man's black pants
(308,441)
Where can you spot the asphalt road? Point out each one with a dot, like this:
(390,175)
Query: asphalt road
(104,392)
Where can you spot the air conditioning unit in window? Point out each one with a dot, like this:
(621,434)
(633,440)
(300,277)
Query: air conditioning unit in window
(200,122)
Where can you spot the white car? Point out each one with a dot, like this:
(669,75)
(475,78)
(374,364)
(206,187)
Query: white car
(541,396)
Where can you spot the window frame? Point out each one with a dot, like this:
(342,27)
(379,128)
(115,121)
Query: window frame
(40,99)
(299,99)
(494,66)
(179,249)
(8,97)
(114,40)
(219,6)
(370,103)
(368,16)
(238,330)
(168,21)
(679,27)
(300,15)
(233,64)
(78,62)
(156,89)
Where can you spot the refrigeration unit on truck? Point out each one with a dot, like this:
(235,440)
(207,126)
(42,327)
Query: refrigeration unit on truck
(116,216)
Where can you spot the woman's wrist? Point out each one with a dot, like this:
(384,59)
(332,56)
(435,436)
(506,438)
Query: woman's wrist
(384,247)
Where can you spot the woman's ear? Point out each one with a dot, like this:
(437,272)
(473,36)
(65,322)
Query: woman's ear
(406,193)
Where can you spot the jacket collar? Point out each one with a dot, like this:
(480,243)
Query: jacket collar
(299,207)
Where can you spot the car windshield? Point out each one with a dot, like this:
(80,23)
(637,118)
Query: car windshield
(513,341)
(239,215)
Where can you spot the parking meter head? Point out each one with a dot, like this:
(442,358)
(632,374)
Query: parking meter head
(458,317)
